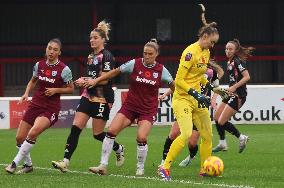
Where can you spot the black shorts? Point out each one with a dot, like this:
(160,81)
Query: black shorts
(235,102)
(94,109)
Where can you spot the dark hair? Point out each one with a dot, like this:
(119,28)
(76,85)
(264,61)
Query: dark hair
(242,52)
(153,43)
(207,28)
(103,29)
(57,41)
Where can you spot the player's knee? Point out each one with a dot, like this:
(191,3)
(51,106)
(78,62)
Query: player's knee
(173,135)
(20,139)
(207,138)
(216,117)
(185,135)
(221,122)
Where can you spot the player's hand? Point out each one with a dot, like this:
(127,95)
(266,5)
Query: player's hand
(203,101)
(162,97)
(25,97)
(232,89)
(80,82)
(90,83)
(50,91)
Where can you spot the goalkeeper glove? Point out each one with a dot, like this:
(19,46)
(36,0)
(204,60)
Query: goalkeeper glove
(202,100)
(224,93)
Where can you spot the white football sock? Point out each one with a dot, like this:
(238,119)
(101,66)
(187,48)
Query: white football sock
(27,158)
(66,161)
(23,152)
(223,142)
(141,155)
(106,150)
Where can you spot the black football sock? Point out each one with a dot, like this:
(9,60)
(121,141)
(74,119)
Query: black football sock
(72,142)
(193,151)
(167,145)
(101,136)
(228,126)
(220,130)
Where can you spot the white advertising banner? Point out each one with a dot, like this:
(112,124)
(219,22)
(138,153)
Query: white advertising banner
(4,115)
(264,105)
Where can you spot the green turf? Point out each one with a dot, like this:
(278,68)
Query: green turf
(260,165)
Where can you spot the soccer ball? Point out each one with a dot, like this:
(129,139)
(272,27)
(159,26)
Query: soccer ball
(213,166)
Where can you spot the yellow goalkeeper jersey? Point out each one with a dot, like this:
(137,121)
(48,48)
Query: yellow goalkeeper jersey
(191,71)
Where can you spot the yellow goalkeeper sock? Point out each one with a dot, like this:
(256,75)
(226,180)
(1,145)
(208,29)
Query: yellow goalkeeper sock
(175,149)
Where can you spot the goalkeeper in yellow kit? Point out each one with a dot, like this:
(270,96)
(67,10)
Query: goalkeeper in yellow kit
(189,105)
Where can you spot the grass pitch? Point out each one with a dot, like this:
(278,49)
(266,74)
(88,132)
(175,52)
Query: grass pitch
(260,165)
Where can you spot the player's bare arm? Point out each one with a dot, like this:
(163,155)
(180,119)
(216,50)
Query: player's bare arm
(66,90)
(30,86)
(244,80)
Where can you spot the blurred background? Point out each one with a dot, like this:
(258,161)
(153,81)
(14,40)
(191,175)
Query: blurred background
(27,26)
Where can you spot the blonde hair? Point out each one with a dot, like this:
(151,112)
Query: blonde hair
(103,29)
(207,28)
(153,43)
(242,52)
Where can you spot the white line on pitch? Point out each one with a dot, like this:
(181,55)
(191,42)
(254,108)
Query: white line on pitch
(150,178)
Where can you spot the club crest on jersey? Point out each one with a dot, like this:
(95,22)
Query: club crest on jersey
(155,75)
(95,61)
(230,67)
(188,57)
(54,73)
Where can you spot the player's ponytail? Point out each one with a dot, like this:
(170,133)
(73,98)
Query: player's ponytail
(242,52)
(153,43)
(103,29)
(207,28)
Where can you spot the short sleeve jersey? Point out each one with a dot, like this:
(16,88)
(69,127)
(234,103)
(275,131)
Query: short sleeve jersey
(98,63)
(145,82)
(235,67)
(195,60)
(50,76)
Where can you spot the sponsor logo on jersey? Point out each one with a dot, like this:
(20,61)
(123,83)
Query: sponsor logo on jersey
(203,60)
(188,57)
(155,75)
(240,67)
(107,66)
(144,80)
(54,73)
(93,74)
(46,79)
